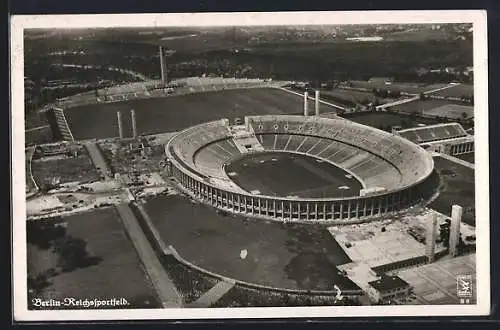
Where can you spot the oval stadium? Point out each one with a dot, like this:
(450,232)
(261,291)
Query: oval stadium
(288,178)
(266,176)
(300,168)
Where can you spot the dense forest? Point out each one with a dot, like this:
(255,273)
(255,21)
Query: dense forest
(291,61)
(314,61)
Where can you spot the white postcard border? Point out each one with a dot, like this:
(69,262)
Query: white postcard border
(477,17)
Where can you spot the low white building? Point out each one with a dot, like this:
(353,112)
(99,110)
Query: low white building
(388,288)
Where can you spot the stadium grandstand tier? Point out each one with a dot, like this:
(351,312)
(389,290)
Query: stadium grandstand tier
(394,172)
(449,138)
(433,132)
(212,158)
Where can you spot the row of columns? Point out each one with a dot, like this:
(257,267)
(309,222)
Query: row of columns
(306,103)
(297,210)
(120,124)
(462,148)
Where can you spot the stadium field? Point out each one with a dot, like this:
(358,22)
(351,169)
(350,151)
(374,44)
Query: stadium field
(456,91)
(388,119)
(281,255)
(286,174)
(112,268)
(175,113)
(453,111)
(424,106)
(353,95)
(412,88)
(457,187)
(64,170)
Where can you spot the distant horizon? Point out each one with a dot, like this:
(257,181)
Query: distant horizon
(252,27)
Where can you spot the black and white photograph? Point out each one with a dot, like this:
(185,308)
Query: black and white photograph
(243,165)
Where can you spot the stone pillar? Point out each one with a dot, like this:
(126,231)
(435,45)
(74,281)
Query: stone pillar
(456,219)
(134,124)
(306,104)
(163,66)
(316,102)
(120,124)
(431,233)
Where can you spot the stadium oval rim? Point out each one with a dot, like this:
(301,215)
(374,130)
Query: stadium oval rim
(220,192)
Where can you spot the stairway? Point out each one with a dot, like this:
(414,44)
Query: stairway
(245,140)
(62,124)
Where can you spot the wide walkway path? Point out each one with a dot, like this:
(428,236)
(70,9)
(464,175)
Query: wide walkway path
(163,285)
(98,159)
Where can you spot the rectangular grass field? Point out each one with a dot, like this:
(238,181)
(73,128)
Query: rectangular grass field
(387,119)
(456,91)
(453,111)
(412,88)
(353,95)
(116,271)
(283,175)
(422,106)
(69,169)
(174,113)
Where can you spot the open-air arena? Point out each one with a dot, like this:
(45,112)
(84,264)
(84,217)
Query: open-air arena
(257,166)
(393,173)
(219,191)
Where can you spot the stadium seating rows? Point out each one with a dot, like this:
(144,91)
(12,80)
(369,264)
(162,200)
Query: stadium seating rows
(377,158)
(198,136)
(371,169)
(405,161)
(434,133)
(211,158)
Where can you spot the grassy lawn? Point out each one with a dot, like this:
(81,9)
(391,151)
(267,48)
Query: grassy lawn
(157,115)
(412,88)
(270,173)
(109,269)
(420,106)
(353,96)
(289,256)
(457,187)
(456,91)
(386,120)
(71,169)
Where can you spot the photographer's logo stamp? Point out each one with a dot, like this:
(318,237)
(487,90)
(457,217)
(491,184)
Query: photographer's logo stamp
(464,288)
